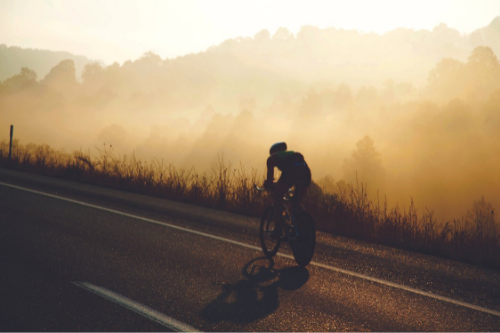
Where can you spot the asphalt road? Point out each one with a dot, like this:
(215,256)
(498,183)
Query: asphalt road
(76,257)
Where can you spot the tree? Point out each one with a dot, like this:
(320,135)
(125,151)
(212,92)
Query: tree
(445,39)
(480,221)
(91,72)
(444,69)
(445,80)
(62,77)
(481,74)
(262,36)
(282,34)
(365,164)
(93,77)
(484,56)
(309,34)
(28,74)
(473,81)
(149,59)
(25,78)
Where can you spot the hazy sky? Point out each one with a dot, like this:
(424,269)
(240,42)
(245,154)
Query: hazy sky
(119,30)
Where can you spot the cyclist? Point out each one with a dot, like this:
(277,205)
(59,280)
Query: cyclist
(294,172)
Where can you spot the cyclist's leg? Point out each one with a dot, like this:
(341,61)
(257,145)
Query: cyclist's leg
(302,182)
(279,190)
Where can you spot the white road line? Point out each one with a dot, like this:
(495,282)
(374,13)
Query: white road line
(314,263)
(136,307)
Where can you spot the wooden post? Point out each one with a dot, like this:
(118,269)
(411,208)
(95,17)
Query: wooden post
(10,146)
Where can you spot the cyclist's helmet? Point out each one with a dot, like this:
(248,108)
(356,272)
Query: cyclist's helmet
(279,146)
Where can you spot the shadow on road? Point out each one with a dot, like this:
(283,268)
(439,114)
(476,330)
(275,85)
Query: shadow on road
(257,295)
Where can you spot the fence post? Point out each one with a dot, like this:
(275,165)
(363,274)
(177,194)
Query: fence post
(10,145)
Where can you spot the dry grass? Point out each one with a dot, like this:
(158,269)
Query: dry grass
(474,238)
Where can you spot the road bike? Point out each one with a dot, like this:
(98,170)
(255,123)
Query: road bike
(297,228)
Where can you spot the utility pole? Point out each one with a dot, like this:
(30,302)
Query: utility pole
(10,146)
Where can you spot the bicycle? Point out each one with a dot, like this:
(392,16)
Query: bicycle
(298,229)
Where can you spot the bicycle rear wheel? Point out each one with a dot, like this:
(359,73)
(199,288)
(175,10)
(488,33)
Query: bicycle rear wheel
(269,239)
(303,247)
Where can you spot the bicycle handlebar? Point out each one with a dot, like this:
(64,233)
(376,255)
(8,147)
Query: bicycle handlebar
(261,189)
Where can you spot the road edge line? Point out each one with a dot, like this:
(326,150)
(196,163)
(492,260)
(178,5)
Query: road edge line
(137,307)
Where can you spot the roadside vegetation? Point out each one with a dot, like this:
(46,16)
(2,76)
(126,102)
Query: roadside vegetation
(473,238)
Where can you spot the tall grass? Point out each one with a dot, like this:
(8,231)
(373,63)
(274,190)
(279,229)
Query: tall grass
(474,238)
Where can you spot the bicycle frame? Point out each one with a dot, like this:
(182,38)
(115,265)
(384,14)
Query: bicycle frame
(287,205)
(302,244)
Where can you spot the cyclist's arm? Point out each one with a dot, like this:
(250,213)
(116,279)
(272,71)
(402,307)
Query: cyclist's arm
(271,163)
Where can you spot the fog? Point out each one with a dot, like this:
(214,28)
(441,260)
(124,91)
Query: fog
(413,114)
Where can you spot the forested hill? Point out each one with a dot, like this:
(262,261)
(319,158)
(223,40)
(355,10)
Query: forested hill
(309,56)
(357,58)
(13,58)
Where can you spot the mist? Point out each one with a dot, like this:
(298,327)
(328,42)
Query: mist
(415,115)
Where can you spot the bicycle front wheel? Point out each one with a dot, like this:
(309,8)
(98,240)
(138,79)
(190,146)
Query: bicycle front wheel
(270,233)
(303,247)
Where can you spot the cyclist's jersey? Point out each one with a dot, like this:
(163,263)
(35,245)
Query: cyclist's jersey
(286,161)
